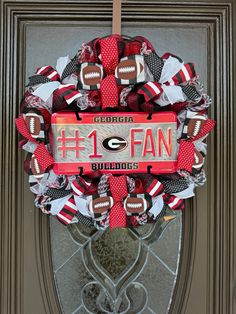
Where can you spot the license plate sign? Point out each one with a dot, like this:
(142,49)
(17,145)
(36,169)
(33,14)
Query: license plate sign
(114,142)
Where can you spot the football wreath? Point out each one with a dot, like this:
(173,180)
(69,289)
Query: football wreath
(115,137)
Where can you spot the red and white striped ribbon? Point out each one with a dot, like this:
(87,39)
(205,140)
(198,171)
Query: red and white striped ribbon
(68,92)
(68,212)
(150,90)
(79,186)
(48,72)
(173,202)
(186,74)
(155,188)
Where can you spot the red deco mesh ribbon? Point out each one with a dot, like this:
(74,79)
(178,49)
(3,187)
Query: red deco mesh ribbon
(110,58)
(118,188)
(186,148)
(41,153)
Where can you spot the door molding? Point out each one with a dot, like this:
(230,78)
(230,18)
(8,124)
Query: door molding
(18,222)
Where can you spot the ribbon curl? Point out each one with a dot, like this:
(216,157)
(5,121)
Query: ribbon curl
(51,81)
(116,205)
(119,191)
(186,148)
(153,90)
(41,153)
(68,212)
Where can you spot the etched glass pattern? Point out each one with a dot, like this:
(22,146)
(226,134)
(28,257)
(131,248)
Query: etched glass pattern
(118,271)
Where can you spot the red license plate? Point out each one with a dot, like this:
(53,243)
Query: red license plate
(114,142)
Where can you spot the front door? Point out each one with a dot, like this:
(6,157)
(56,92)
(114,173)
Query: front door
(182,266)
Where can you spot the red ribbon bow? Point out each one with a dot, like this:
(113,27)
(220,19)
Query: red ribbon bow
(186,148)
(41,153)
(118,188)
(110,58)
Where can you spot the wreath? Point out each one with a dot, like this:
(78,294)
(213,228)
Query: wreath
(115,74)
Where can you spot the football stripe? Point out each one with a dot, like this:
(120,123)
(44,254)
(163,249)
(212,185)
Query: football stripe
(171,82)
(191,69)
(67,212)
(47,71)
(178,78)
(53,75)
(166,198)
(76,189)
(84,184)
(174,202)
(70,207)
(145,92)
(80,186)
(186,73)
(41,70)
(71,201)
(150,90)
(68,92)
(182,75)
(65,87)
(64,219)
(179,205)
(72,96)
(156,87)
(155,188)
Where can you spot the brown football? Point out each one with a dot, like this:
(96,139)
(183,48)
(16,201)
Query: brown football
(195,124)
(33,123)
(35,168)
(127,69)
(135,205)
(101,205)
(91,75)
(198,160)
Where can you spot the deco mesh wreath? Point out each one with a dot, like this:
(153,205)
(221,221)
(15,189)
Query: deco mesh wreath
(114,80)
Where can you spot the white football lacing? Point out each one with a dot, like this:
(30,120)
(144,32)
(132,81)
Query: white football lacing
(134,205)
(102,204)
(197,128)
(36,165)
(127,69)
(31,125)
(196,159)
(92,75)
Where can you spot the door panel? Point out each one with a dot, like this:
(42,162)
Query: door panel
(33,33)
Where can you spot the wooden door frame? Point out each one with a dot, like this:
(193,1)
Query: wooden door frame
(220,242)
